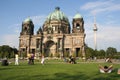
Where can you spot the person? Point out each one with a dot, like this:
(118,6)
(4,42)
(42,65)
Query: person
(43,59)
(65,60)
(5,62)
(108,60)
(16,59)
(70,57)
(118,71)
(106,69)
(72,60)
(32,58)
(29,58)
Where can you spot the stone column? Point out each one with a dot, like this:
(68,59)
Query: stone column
(83,52)
(56,47)
(61,48)
(43,45)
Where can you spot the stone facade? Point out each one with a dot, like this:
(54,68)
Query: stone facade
(55,37)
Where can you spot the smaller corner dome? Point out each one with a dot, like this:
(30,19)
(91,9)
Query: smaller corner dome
(77,16)
(27,20)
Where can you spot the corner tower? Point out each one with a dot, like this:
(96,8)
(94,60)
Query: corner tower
(25,37)
(27,27)
(78,24)
(78,35)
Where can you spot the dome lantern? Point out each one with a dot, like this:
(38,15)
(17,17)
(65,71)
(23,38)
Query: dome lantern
(57,8)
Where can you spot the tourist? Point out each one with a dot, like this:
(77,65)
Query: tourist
(70,57)
(43,59)
(16,59)
(5,62)
(108,60)
(29,58)
(106,69)
(118,71)
(32,58)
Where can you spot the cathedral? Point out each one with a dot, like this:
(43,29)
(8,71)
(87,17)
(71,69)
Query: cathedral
(55,38)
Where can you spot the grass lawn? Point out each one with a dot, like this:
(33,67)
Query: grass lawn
(57,70)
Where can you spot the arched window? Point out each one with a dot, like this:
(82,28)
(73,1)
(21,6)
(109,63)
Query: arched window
(78,26)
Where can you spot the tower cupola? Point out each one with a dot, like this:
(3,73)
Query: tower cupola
(27,27)
(78,24)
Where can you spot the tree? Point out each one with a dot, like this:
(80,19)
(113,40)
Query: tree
(7,51)
(89,52)
(102,54)
(111,51)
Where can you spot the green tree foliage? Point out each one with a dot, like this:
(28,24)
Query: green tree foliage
(101,54)
(66,54)
(110,52)
(7,51)
(80,54)
(89,52)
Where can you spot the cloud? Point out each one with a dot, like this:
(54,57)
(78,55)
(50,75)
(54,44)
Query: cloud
(97,7)
(38,20)
(109,33)
(108,27)
(107,36)
(15,28)
(10,39)
(92,5)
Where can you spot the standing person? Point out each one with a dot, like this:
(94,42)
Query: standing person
(29,58)
(16,59)
(43,59)
(32,58)
(5,62)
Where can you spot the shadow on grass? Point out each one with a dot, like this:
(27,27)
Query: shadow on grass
(5,68)
(64,76)
(83,76)
(107,76)
(56,76)
(96,75)
(27,77)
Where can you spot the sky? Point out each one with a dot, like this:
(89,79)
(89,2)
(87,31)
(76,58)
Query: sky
(106,13)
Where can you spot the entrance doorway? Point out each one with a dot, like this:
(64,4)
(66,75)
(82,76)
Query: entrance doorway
(33,51)
(67,52)
(50,48)
(77,52)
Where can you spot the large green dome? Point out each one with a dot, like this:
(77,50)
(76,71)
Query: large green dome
(57,15)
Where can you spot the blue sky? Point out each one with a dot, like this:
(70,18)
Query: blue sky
(107,13)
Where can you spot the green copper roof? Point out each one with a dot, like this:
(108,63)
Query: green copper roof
(77,16)
(57,15)
(27,20)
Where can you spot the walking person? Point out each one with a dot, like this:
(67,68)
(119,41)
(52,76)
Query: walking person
(16,59)
(42,60)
